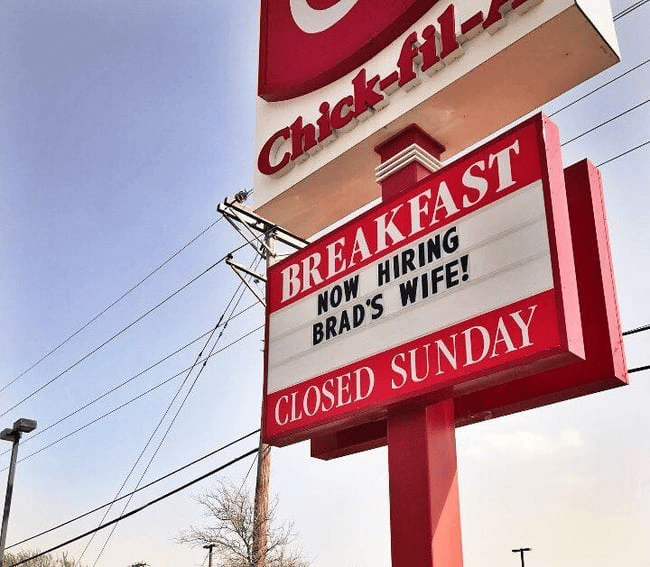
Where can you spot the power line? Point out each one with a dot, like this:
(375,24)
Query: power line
(623,153)
(600,87)
(114,389)
(148,442)
(160,479)
(181,372)
(636,330)
(134,377)
(139,509)
(109,340)
(606,121)
(113,304)
(184,467)
(630,9)
(139,396)
(150,503)
(202,367)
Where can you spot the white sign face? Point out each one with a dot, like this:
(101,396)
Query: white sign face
(492,258)
(461,70)
(455,281)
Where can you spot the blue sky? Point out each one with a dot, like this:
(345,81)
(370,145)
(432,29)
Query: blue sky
(122,124)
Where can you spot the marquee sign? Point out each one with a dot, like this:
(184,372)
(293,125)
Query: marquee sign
(337,77)
(465,281)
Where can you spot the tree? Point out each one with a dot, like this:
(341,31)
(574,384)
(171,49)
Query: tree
(47,560)
(230,529)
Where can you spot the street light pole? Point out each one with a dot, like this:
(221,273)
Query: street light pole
(209,547)
(521,551)
(20,426)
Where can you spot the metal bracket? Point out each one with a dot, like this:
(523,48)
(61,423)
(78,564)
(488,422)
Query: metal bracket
(238,269)
(260,233)
(234,211)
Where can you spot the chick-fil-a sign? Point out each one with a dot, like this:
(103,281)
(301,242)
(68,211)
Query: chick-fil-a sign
(459,280)
(337,77)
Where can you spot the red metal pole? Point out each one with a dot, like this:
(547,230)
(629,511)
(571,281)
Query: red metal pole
(424,506)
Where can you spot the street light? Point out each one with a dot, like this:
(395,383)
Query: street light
(521,550)
(209,547)
(14,434)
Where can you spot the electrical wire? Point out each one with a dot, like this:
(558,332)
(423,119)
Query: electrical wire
(134,377)
(212,453)
(112,338)
(637,329)
(181,372)
(150,484)
(123,516)
(606,122)
(139,396)
(569,105)
(621,14)
(616,17)
(202,367)
(113,304)
(630,9)
(623,154)
(111,391)
(139,509)
(178,391)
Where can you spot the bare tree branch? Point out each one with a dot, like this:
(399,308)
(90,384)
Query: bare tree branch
(230,528)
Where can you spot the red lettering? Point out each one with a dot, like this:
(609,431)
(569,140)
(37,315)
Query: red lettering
(429,50)
(270,150)
(342,113)
(408,77)
(495,15)
(303,138)
(449,41)
(365,96)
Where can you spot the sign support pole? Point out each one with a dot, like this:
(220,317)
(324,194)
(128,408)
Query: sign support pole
(424,505)
(422,469)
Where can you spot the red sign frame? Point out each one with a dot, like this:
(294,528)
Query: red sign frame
(356,393)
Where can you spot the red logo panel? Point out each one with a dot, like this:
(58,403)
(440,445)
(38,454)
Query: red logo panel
(307,44)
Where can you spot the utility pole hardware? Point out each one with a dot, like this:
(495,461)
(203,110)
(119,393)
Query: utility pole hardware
(262,235)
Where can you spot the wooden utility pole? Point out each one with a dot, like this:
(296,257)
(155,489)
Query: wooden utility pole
(261,511)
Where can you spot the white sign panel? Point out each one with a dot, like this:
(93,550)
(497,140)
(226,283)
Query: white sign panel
(460,69)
